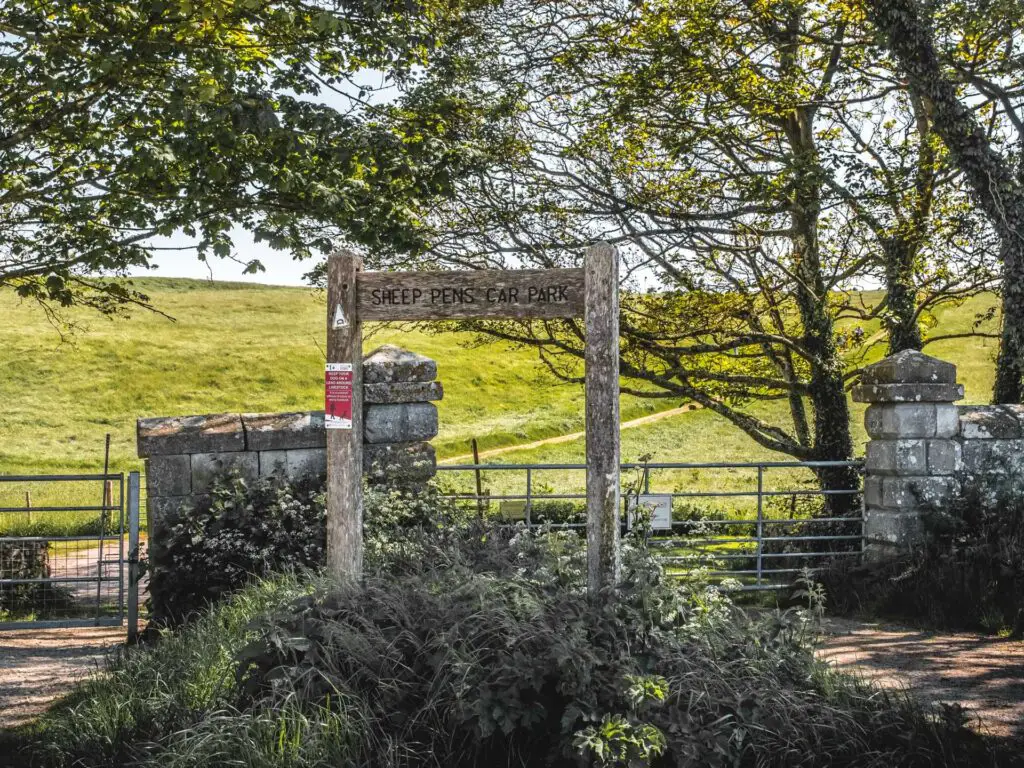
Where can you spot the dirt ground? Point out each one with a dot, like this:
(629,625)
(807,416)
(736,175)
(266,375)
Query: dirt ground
(984,674)
(39,665)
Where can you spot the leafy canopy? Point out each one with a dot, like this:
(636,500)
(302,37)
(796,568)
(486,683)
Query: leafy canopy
(125,121)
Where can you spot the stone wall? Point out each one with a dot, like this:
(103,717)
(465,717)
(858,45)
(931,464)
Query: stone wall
(185,453)
(924,450)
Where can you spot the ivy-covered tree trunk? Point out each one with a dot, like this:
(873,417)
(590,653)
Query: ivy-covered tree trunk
(827,393)
(909,36)
(1009,384)
(901,296)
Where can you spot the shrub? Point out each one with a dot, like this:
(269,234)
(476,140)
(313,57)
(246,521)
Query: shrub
(970,575)
(29,560)
(477,646)
(248,530)
(491,653)
(558,511)
(240,531)
(21,560)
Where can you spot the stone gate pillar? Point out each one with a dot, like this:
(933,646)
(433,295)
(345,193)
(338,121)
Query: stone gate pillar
(913,457)
(399,417)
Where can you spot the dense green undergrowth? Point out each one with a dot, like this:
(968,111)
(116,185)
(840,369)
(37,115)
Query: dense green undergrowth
(469,645)
(244,529)
(970,575)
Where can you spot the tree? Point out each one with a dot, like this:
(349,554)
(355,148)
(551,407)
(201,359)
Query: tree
(702,163)
(987,56)
(703,138)
(124,121)
(930,246)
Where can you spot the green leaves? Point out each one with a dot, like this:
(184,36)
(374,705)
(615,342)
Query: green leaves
(618,743)
(122,121)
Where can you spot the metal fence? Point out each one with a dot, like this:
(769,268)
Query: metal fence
(758,524)
(68,550)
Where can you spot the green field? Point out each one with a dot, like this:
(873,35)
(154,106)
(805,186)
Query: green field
(237,347)
(242,347)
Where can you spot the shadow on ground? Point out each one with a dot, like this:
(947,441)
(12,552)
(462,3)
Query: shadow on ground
(984,674)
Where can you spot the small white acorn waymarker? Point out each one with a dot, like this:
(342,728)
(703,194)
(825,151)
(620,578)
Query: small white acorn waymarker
(339,321)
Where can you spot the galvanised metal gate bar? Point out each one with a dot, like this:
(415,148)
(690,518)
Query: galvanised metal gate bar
(768,548)
(63,558)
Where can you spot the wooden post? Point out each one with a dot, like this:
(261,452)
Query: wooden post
(345,445)
(601,320)
(479,481)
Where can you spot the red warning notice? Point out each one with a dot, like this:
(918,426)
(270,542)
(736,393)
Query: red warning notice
(338,396)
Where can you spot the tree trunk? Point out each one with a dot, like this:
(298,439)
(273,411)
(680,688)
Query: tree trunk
(832,438)
(909,36)
(901,296)
(1009,385)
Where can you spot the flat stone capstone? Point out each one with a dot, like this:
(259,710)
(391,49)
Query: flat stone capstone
(388,364)
(909,367)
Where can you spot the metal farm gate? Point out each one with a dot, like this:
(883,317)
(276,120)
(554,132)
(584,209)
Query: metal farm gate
(69,547)
(758,525)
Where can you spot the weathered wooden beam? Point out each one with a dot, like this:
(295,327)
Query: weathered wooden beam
(601,320)
(344,435)
(486,293)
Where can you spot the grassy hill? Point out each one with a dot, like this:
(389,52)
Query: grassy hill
(242,347)
(236,347)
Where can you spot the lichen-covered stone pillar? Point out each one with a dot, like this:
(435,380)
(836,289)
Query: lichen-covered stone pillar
(399,417)
(913,456)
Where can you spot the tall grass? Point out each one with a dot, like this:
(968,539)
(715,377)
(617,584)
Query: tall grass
(148,694)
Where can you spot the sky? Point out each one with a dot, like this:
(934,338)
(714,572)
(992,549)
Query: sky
(281,268)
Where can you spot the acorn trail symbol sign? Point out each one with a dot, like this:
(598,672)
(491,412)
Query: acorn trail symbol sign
(354,296)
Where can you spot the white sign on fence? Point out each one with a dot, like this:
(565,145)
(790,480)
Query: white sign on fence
(659,506)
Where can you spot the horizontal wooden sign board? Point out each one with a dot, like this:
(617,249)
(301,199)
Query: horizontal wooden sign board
(487,293)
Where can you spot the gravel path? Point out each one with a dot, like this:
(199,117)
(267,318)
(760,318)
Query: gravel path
(985,674)
(39,665)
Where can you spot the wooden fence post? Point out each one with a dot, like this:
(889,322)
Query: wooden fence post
(479,481)
(344,436)
(601,321)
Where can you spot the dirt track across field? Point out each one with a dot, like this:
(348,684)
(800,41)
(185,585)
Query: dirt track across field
(984,674)
(492,452)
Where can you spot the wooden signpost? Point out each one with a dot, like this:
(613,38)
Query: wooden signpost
(354,296)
